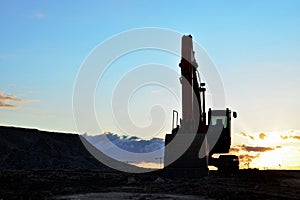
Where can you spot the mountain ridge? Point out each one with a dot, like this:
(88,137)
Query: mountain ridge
(32,149)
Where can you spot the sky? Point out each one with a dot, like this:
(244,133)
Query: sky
(255,46)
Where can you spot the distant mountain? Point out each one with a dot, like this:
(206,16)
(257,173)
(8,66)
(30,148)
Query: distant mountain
(128,143)
(31,149)
(112,145)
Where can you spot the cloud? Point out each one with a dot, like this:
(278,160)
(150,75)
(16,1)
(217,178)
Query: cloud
(248,153)
(6,101)
(243,134)
(42,115)
(131,144)
(297,137)
(285,137)
(256,149)
(9,106)
(262,136)
(39,15)
(247,158)
(234,150)
(246,135)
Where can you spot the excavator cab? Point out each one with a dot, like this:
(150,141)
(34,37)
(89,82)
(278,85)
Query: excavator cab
(219,128)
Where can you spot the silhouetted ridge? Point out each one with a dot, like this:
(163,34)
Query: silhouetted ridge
(31,149)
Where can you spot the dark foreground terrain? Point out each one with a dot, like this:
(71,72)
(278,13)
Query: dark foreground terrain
(115,185)
(47,165)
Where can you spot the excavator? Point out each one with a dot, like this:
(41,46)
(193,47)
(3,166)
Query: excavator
(210,131)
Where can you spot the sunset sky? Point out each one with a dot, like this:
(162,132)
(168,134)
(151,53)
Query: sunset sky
(255,46)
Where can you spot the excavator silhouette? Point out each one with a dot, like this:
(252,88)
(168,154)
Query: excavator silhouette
(211,129)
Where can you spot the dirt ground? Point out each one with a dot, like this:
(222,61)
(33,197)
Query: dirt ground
(247,184)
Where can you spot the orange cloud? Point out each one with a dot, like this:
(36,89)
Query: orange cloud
(243,134)
(262,136)
(246,135)
(246,158)
(234,150)
(5,101)
(256,149)
(297,137)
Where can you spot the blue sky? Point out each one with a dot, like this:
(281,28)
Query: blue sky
(254,44)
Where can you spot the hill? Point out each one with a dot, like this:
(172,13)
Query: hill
(31,149)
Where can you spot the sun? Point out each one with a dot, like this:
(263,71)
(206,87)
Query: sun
(274,159)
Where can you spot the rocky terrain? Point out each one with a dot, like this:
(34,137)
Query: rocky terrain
(111,185)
